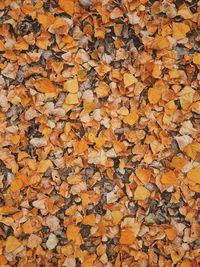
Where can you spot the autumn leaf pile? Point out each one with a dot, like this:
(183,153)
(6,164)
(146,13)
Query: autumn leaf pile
(99,133)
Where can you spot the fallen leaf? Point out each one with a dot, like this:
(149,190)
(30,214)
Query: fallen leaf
(89,220)
(129,79)
(194,175)
(117,216)
(141,193)
(27,227)
(5,210)
(169,178)
(80,146)
(44,85)
(143,174)
(12,243)
(179,30)
(131,118)
(186,263)
(68,6)
(171,233)
(72,232)
(154,95)
(72,86)
(127,237)
(44,165)
(71,99)
(196,59)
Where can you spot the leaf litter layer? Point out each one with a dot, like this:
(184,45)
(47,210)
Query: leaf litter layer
(99,136)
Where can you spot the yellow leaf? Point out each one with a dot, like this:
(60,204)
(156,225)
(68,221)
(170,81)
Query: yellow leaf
(15,139)
(129,79)
(72,232)
(169,178)
(80,146)
(185,12)
(127,237)
(102,90)
(12,243)
(67,128)
(44,85)
(118,261)
(194,175)
(44,165)
(71,86)
(154,95)
(141,193)
(174,74)
(171,233)
(21,45)
(89,220)
(179,30)
(131,118)
(156,71)
(176,256)
(71,99)
(117,216)
(192,149)
(67,6)
(99,141)
(196,59)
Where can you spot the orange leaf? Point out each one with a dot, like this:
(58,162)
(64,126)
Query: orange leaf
(143,174)
(67,6)
(5,210)
(194,175)
(19,181)
(186,263)
(127,237)
(72,232)
(196,59)
(179,30)
(27,227)
(3,260)
(160,42)
(169,178)
(80,146)
(89,261)
(178,163)
(46,20)
(171,233)
(89,220)
(154,95)
(44,85)
(131,118)
(118,146)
